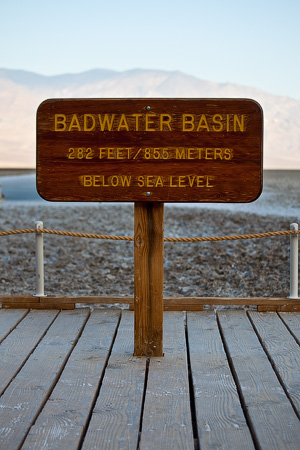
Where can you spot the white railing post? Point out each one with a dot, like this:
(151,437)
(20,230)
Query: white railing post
(294,262)
(39,261)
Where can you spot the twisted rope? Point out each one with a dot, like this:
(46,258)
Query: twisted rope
(167,239)
(234,237)
(87,235)
(26,230)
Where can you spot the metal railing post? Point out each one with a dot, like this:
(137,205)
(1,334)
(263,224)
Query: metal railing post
(294,262)
(39,261)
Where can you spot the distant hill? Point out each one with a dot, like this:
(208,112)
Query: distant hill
(21,93)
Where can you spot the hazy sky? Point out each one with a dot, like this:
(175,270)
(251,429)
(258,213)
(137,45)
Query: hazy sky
(250,42)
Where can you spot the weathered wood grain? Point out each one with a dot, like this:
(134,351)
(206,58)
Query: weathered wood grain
(292,321)
(28,391)
(170,303)
(19,344)
(54,400)
(278,308)
(9,320)
(65,415)
(167,422)
(142,155)
(148,278)
(220,419)
(273,420)
(115,420)
(283,351)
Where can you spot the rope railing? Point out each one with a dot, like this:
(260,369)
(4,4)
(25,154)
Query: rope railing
(23,231)
(293,232)
(166,239)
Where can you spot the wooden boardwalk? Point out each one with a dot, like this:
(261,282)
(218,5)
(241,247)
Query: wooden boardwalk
(228,380)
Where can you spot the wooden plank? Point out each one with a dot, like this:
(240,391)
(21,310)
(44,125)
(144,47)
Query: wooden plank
(185,307)
(28,391)
(115,420)
(292,321)
(19,298)
(92,299)
(264,301)
(122,300)
(16,305)
(287,308)
(148,278)
(177,308)
(271,416)
(167,422)
(53,305)
(170,303)
(41,305)
(64,417)
(220,419)
(283,351)
(232,301)
(9,320)
(21,342)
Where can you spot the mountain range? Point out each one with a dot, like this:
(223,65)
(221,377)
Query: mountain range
(21,93)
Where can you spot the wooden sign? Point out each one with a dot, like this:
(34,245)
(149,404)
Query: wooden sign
(154,150)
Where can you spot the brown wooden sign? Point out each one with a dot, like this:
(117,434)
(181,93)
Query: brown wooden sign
(157,150)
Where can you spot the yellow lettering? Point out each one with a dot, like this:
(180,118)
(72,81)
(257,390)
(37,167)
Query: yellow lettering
(200,152)
(152,122)
(218,153)
(59,122)
(209,153)
(181,181)
(87,180)
(86,119)
(106,122)
(93,181)
(227,153)
(137,116)
(159,182)
(110,153)
(114,181)
(149,122)
(120,153)
(190,153)
(74,123)
(165,120)
(238,122)
(203,123)
(207,181)
(125,180)
(171,182)
(102,152)
(217,119)
(180,154)
(141,181)
(188,122)
(191,179)
(96,180)
(123,123)
(200,181)
(149,181)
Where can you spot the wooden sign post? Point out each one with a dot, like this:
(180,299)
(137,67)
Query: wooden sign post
(149,151)
(148,278)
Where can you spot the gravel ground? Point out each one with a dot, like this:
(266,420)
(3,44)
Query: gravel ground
(80,266)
